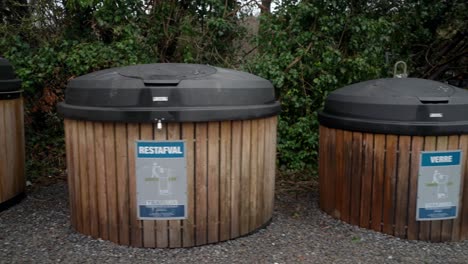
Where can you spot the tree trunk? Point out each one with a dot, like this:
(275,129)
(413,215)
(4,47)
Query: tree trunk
(266,7)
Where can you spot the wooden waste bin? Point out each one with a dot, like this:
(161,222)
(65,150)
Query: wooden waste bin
(12,181)
(223,121)
(373,136)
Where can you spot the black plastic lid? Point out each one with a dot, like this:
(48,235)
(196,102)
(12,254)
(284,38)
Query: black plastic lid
(9,85)
(168,92)
(404,106)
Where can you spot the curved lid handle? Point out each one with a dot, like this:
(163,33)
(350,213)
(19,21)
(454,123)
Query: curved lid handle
(404,74)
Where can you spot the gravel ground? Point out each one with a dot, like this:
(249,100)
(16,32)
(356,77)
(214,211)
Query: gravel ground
(38,231)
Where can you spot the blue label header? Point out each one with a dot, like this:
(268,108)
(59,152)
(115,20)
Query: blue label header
(161,149)
(441,158)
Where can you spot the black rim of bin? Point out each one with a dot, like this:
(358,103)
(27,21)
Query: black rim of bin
(402,106)
(168,92)
(10,86)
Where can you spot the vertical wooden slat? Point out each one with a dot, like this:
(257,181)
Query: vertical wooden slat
(70,167)
(340,200)
(92,183)
(149,232)
(175,234)
(111,181)
(20,146)
(271,161)
(348,165)
(188,134)
(454,143)
(213,182)
(201,181)
(425,226)
(133,134)
(122,183)
(447,225)
(245,177)
(401,206)
(464,196)
(260,173)
(101,179)
(330,181)
(235,177)
(356,178)
(323,164)
(389,183)
(413,225)
(76,178)
(366,184)
(378,182)
(83,175)
(161,226)
(225,182)
(10,148)
(253,175)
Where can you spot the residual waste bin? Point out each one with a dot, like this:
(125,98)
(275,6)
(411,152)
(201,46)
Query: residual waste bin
(12,178)
(170,155)
(393,158)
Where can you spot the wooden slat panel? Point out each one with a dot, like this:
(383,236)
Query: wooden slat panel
(425,226)
(149,232)
(92,181)
(245,177)
(378,182)
(356,178)
(213,182)
(175,231)
(201,182)
(340,200)
(253,175)
(161,226)
(12,177)
(401,206)
(413,225)
(70,167)
(225,182)
(111,181)
(260,173)
(389,183)
(235,177)
(448,225)
(464,202)
(76,178)
(3,165)
(83,175)
(122,183)
(188,134)
(136,226)
(366,184)
(348,171)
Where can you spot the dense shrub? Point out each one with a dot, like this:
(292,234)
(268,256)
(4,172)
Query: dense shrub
(306,48)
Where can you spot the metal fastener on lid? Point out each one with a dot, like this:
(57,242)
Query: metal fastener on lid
(404,74)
